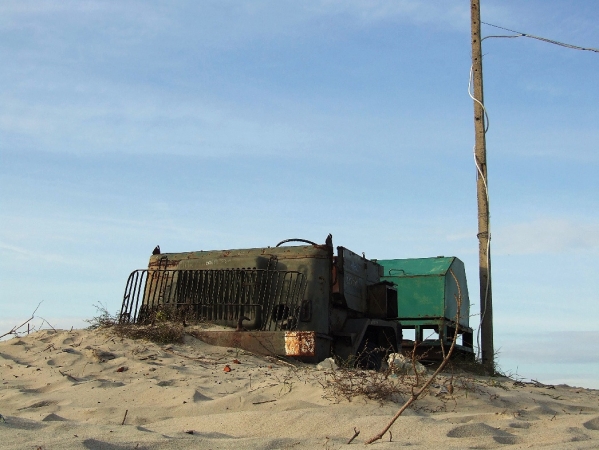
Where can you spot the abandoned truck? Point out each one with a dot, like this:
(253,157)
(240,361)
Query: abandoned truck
(301,300)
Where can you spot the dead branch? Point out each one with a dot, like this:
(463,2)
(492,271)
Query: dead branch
(356,433)
(417,392)
(538,384)
(414,362)
(16,328)
(124,418)
(49,324)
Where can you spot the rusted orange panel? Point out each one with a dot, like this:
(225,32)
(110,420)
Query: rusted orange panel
(300,343)
(281,343)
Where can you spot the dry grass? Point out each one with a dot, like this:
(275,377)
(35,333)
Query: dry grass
(159,331)
(387,384)
(349,383)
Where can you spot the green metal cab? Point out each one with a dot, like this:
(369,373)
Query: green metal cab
(428,290)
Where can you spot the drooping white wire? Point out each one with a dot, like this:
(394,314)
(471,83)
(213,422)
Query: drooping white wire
(484,178)
(470,93)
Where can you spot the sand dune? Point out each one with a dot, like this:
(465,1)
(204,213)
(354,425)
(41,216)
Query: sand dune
(92,390)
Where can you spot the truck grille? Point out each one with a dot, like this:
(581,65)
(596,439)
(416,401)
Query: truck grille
(256,299)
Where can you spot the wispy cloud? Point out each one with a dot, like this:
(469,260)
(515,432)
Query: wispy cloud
(225,23)
(13,252)
(558,347)
(445,14)
(543,88)
(546,236)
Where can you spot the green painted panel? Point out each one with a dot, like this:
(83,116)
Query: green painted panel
(419,296)
(416,266)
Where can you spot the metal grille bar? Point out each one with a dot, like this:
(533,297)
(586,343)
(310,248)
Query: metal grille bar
(259,299)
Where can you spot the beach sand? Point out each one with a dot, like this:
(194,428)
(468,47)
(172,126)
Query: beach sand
(84,389)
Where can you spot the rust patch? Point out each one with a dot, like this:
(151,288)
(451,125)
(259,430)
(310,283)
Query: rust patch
(299,343)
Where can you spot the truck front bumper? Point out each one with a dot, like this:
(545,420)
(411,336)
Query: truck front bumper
(302,344)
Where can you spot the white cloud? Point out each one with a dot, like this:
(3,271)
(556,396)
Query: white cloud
(447,14)
(143,124)
(558,347)
(13,252)
(226,23)
(557,141)
(546,236)
(543,88)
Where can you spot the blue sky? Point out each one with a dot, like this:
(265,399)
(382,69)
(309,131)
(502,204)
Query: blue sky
(230,124)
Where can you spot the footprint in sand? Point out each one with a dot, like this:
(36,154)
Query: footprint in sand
(522,425)
(199,397)
(100,355)
(53,418)
(592,424)
(40,404)
(577,434)
(96,444)
(21,423)
(479,429)
(103,383)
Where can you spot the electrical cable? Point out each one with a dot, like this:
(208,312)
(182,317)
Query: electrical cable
(539,38)
(501,36)
(470,93)
(484,178)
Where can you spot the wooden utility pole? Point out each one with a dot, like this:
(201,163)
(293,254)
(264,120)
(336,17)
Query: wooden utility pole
(480,155)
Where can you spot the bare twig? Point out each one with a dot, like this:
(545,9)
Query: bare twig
(49,347)
(414,362)
(356,433)
(417,392)
(265,401)
(538,384)
(123,422)
(16,328)
(49,324)
(69,376)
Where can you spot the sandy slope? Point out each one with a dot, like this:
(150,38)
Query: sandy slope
(63,390)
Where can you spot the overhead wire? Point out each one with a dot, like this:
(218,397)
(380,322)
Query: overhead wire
(543,39)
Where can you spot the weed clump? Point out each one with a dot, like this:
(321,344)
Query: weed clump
(159,331)
(347,383)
